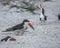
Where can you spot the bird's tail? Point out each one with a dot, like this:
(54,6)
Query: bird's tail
(9,29)
(45,17)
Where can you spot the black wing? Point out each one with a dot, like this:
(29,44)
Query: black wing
(19,26)
(45,17)
(43,11)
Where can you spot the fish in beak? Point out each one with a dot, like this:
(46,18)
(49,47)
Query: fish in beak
(29,24)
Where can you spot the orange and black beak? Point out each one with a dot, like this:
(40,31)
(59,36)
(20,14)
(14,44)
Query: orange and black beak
(40,7)
(29,24)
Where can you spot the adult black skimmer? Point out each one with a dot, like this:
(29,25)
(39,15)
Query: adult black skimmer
(23,26)
(43,18)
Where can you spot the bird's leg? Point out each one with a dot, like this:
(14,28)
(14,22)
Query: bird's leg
(41,22)
(44,22)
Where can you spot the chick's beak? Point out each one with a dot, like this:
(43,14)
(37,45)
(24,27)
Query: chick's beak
(29,24)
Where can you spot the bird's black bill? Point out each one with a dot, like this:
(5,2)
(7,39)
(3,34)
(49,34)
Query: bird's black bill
(32,27)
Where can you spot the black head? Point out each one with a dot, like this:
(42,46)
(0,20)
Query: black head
(25,20)
(28,23)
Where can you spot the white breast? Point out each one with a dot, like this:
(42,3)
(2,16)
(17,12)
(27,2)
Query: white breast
(42,16)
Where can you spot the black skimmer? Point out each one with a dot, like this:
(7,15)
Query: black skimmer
(8,38)
(23,26)
(43,18)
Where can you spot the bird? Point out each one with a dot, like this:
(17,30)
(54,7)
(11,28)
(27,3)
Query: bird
(8,37)
(43,17)
(22,26)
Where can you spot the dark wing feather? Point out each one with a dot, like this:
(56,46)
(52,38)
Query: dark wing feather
(43,11)
(19,26)
(45,17)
